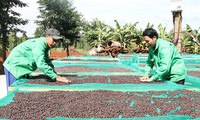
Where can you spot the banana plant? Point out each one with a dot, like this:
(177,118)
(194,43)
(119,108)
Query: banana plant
(164,34)
(194,34)
(125,34)
(149,25)
(193,38)
(98,33)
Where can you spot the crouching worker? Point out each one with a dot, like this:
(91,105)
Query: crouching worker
(31,55)
(166,58)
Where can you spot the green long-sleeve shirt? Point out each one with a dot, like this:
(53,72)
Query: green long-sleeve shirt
(167,60)
(28,56)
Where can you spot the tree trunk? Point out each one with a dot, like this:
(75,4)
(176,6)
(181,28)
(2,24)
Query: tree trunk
(177,20)
(4,42)
(67,49)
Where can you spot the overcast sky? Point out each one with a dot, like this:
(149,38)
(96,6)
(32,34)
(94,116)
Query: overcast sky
(124,11)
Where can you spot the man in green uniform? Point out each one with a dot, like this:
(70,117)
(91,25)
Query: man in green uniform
(31,55)
(165,57)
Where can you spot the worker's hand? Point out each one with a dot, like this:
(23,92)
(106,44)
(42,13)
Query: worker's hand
(62,79)
(145,79)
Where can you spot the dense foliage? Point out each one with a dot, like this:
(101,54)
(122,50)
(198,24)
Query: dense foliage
(9,19)
(97,32)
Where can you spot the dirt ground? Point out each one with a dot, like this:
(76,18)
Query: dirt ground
(72,52)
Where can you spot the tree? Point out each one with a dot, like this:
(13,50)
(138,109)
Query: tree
(59,14)
(9,19)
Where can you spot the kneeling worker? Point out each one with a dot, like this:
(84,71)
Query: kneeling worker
(165,57)
(31,55)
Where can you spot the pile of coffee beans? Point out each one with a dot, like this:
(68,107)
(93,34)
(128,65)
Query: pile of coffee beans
(118,69)
(89,69)
(90,79)
(101,104)
(194,73)
(82,60)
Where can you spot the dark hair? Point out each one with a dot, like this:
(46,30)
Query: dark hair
(150,32)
